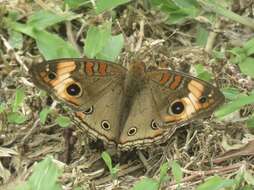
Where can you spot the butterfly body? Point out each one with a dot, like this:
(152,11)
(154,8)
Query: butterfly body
(123,107)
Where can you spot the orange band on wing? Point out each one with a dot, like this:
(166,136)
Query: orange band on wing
(102,69)
(89,68)
(177,81)
(165,77)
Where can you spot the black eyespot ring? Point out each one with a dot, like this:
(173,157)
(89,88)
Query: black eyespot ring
(177,107)
(132,131)
(73,89)
(154,125)
(202,99)
(105,125)
(52,75)
(89,111)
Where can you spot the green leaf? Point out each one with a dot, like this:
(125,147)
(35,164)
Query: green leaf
(231,93)
(163,172)
(63,121)
(43,114)
(202,73)
(112,49)
(178,11)
(234,105)
(177,172)
(45,176)
(44,18)
(74,4)
(54,47)
(96,39)
(249,47)
(107,5)
(202,35)
(16,39)
(107,159)
(247,66)
(147,184)
(19,98)
(16,118)
(216,183)
(250,122)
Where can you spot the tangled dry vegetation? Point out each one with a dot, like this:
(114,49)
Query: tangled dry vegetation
(203,148)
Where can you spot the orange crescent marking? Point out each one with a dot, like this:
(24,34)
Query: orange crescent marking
(89,68)
(102,68)
(176,82)
(65,64)
(165,77)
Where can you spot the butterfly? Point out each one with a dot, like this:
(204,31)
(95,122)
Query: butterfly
(126,108)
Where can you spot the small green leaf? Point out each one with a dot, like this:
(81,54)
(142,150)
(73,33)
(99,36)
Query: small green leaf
(250,122)
(216,183)
(106,5)
(234,105)
(96,39)
(19,98)
(16,118)
(43,114)
(63,121)
(147,184)
(177,172)
(202,73)
(247,66)
(107,159)
(112,49)
(163,172)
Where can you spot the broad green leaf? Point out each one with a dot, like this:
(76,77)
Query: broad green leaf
(19,98)
(231,93)
(96,39)
(216,183)
(250,122)
(16,118)
(44,18)
(45,176)
(147,184)
(177,172)
(74,4)
(52,46)
(44,114)
(247,66)
(63,121)
(112,49)
(234,105)
(107,5)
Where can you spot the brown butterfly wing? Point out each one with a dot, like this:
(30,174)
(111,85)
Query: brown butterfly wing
(91,87)
(151,118)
